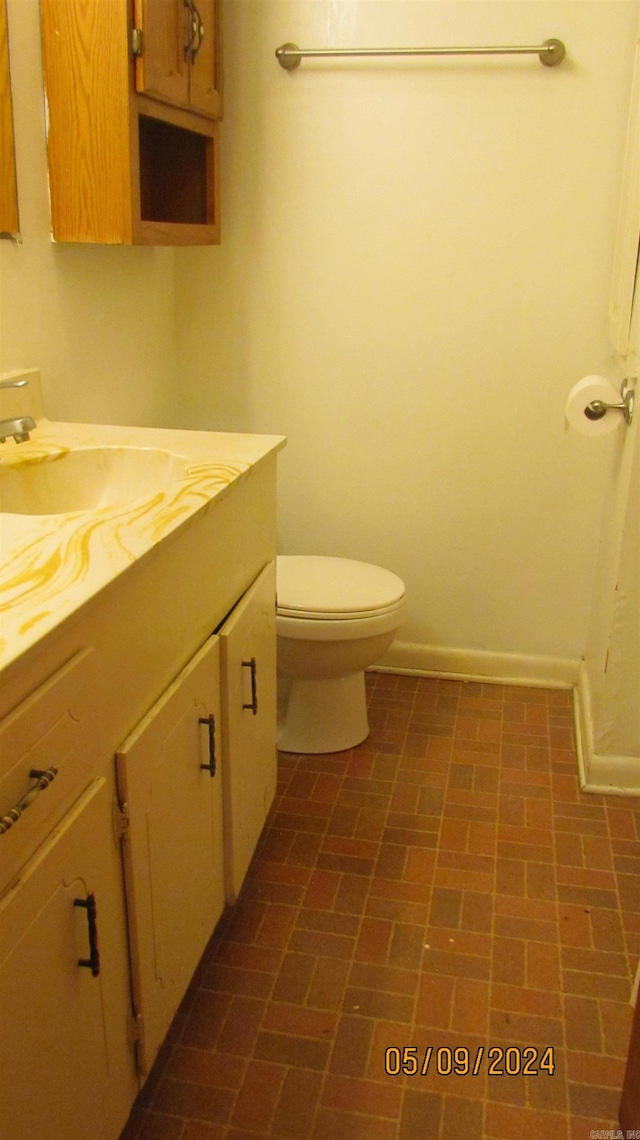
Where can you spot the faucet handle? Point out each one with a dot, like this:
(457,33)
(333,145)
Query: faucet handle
(19,428)
(14,383)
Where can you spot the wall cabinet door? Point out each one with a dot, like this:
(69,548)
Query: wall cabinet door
(205,90)
(162,69)
(180,60)
(173,847)
(248,647)
(66,1069)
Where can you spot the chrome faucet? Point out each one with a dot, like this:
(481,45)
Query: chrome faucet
(19,426)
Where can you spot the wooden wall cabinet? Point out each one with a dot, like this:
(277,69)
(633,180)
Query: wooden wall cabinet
(134,98)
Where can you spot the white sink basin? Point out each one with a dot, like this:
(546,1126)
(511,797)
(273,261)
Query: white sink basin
(86,479)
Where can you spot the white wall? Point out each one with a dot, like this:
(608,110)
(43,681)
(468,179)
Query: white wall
(415,269)
(98,322)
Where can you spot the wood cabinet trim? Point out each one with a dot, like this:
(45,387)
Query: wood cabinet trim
(88,139)
(9,222)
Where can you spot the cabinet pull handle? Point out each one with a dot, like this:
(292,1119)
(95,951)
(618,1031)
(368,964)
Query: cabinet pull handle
(196,30)
(199,30)
(253,705)
(93,961)
(190,26)
(211,722)
(43,778)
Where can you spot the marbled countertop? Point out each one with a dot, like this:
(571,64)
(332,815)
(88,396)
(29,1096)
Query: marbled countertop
(51,564)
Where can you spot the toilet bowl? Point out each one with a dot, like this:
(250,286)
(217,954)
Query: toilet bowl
(335,617)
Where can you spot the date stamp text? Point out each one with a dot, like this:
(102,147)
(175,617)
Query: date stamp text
(496,1061)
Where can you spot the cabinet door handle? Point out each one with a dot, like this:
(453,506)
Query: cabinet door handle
(199,31)
(253,704)
(211,722)
(191,26)
(43,779)
(196,30)
(93,961)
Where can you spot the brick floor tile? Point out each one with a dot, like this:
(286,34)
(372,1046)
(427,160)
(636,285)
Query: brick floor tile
(239,1032)
(295,975)
(525,1029)
(509,960)
(363,1096)
(257,1098)
(421,1115)
(589,1100)
(198,1130)
(507,1122)
(206,1067)
(462,1117)
(156,1127)
(297,1101)
(434,1004)
(471,1006)
(299,1020)
(177,1098)
(389,979)
(333,1125)
(542,1003)
(351,1046)
(327,985)
(615,1021)
(321,889)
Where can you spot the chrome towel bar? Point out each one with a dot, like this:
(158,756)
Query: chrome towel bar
(550,53)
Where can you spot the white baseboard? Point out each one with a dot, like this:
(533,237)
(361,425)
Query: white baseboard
(479,665)
(605,775)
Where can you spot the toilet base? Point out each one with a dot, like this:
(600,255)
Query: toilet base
(322,716)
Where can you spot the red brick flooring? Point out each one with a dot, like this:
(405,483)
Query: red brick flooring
(443,886)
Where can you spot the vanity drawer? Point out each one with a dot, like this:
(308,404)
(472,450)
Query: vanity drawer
(50,732)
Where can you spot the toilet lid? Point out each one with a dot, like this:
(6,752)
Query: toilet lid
(316,587)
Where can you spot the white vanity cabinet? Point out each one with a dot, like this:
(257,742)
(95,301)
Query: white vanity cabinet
(132,698)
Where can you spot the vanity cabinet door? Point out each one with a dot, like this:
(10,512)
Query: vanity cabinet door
(67,1071)
(248,645)
(169,786)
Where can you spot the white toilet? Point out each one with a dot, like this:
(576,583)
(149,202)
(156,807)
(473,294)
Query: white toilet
(335,617)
